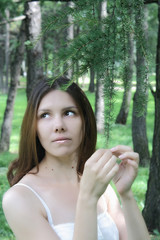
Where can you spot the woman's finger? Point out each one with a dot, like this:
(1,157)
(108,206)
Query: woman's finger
(130,155)
(105,158)
(133,164)
(109,166)
(120,149)
(96,156)
(112,173)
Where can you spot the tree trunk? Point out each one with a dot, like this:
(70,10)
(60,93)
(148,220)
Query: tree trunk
(139,133)
(91,84)
(15,73)
(2,63)
(151,211)
(1,67)
(2,58)
(99,103)
(69,36)
(34,51)
(139,136)
(7,40)
(128,73)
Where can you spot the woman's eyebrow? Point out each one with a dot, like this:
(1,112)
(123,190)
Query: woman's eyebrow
(69,107)
(43,110)
(47,109)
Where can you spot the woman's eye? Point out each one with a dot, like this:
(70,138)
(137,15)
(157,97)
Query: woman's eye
(69,113)
(44,115)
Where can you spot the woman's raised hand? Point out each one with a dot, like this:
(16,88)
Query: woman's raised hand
(102,167)
(128,168)
(99,170)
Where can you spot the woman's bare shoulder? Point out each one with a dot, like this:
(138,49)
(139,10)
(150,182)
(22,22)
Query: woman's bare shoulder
(14,197)
(22,208)
(14,204)
(12,194)
(19,198)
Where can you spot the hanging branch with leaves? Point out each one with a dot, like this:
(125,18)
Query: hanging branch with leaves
(105,49)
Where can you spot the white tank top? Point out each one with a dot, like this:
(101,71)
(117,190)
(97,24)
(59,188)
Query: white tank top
(107,229)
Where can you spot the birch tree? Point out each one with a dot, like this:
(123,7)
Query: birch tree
(34,46)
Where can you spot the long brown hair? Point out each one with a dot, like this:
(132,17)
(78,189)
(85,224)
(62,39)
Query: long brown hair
(31,151)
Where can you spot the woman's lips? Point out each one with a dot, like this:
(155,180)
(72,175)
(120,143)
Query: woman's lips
(61,140)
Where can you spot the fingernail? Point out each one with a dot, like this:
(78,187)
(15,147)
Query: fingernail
(121,156)
(113,149)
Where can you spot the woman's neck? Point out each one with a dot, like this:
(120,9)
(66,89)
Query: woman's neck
(59,169)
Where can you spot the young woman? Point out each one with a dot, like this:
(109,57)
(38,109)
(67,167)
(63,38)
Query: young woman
(60,186)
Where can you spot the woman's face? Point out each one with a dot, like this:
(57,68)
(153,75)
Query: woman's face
(59,124)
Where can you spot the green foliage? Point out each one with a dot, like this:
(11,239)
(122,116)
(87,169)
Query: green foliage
(121,134)
(5,231)
(7,157)
(15,7)
(141,48)
(102,42)
(5,4)
(152,34)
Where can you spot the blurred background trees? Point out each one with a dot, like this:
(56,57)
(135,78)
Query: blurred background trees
(113,45)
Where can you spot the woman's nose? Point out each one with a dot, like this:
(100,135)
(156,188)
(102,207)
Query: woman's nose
(59,125)
(59,129)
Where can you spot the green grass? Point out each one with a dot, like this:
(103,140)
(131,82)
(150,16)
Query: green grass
(119,135)
(19,108)
(5,232)
(7,157)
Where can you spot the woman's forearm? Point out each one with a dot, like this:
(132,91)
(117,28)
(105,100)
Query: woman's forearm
(136,227)
(99,170)
(86,219)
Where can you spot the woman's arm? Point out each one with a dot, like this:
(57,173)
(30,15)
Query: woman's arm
(86,219)
(98,172)
(26,216)
(136,227)
(115,211)
(128,168)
